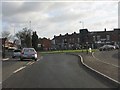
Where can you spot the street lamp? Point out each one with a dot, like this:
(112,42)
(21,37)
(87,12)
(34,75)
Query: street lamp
(82,24)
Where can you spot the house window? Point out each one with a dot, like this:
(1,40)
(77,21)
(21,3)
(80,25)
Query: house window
(98,37)
(73,39)
(108,37)
(78,40)
(94,38)
(70,39)
(63,41)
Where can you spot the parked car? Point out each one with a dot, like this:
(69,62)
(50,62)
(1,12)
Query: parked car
(12,48)
(117,46)
(16,53)
(107,47)
(28,53)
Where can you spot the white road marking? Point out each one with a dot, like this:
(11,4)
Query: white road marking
(31,63)
(5,59)
(104,61)
(19,69)
(97,71)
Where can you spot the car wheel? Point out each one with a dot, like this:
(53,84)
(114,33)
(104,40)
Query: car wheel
(13,56)
(21,59)
(35,59)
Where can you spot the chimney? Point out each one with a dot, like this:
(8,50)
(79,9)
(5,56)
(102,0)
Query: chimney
(105,29)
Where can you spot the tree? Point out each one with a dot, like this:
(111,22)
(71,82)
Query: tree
(35,40)
(6,34)
(25,37)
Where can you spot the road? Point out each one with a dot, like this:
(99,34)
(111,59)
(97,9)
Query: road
(51,71)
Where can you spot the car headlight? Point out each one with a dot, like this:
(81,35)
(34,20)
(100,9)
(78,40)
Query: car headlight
(36,55)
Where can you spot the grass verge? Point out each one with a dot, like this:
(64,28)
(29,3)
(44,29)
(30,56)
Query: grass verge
(65,51)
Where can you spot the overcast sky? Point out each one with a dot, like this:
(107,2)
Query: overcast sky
(54,18)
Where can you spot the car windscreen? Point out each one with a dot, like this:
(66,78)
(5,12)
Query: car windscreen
(29,50)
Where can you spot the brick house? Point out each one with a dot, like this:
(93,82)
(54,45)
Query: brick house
(99,38)
(44,44)
(67,41)
(87,39)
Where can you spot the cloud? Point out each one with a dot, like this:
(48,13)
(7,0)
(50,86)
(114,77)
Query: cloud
(54,18)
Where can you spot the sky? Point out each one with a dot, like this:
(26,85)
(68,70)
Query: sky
(49,18)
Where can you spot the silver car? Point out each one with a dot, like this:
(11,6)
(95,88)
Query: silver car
(16,53)
(107,48)
(28,53)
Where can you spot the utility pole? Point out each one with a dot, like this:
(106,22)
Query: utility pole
(30,25)
(82,24)
(14,30)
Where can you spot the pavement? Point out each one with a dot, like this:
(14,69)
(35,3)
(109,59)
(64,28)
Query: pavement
(106,63)
(8,55)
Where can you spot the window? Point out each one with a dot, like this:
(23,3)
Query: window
(98,37)
(108,37)
(94,38)
(73,39)
(70,39)
(78,40)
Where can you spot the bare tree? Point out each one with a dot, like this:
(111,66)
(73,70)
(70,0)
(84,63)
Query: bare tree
(6,34)
(25,37)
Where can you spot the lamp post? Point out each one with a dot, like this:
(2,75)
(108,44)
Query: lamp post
(82,24)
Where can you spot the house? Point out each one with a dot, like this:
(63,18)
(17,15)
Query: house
(44,44)
(86,39)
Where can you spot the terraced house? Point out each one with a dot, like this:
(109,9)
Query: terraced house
(86,39)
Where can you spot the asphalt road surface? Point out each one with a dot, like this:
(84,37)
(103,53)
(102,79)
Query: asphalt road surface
(51,71)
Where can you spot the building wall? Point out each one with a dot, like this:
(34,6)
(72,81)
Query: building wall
(45,43)
(92,39)
(67,41)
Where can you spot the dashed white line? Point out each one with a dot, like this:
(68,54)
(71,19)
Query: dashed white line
(19,69)
(31,63)
(103,61)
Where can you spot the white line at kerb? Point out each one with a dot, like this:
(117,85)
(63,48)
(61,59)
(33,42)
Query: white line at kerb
(103,61)
(19,69)
(97,71)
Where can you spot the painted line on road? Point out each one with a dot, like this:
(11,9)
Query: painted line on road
(19,69)
(40,58)
(29,63)
(98,71)
(5,59)
(104,61)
